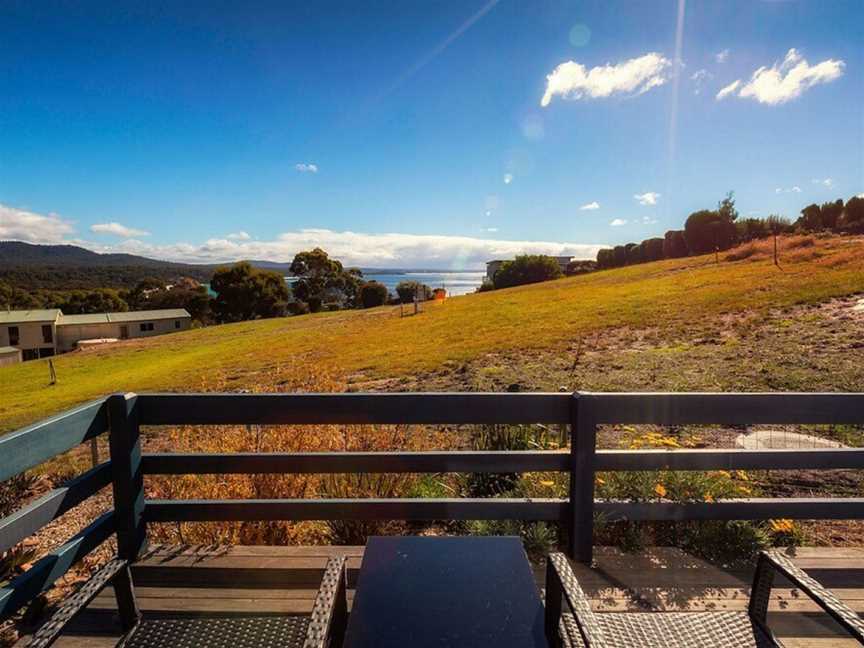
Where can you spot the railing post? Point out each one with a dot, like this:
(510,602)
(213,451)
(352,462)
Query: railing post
(128,479)
(583,445)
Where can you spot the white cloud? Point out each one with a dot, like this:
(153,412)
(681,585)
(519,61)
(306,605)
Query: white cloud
(828,182)
(722,56)
(786,79)
(699,78)
(647,198)
(508,178)
(239,236)
(352,248)
(491,230)
(590,206)
(116,229)
(306,168)
(861,195)
(618,222)
(725,91)
(22,225)
(647,220)
(792,189)
(573,80)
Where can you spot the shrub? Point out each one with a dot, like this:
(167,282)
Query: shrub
(527,269)
(373,294)
(619,253)
(674,246)
(652,249)
(580,267)
(245,293)
(634,253)
(707,230)
(486,286)
(852,218)
(408,289)
(605,258)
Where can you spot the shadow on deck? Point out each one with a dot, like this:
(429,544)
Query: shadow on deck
(188,581)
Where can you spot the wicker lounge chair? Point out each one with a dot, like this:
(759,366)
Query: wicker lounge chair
(583,628)
(323,628)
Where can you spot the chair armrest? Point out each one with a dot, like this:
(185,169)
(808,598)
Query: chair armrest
(330,612)
(72,605)
(560,579)
(771,562)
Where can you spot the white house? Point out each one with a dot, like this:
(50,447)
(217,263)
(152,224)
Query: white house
(44,333)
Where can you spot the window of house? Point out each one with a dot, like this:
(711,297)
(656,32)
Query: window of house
(47,334)
(14,337)
(30,354)
(146,326)
(176,324)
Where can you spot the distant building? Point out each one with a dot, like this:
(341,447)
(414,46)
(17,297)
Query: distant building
(494,266)
(44,333)
(9,355)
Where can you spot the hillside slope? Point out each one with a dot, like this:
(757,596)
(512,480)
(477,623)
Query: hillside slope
(680,297)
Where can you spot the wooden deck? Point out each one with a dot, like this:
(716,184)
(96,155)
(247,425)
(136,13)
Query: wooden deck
(238,580)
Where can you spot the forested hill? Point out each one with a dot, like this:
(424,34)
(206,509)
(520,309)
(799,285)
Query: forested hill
(67,267)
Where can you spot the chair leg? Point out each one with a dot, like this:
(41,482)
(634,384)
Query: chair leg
(552,616)
(127,606)
(760,592)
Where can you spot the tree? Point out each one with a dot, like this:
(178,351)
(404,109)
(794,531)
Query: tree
(750,229)
(526,269)
(652,249)
(582,266)
(101,300)
(605,258)
(373,294)
(634,253)
(726,208)
(674,245)
(619,254)
(811,218)
(195,300)
(408,289)
(245,293)
(853,215)
(707,230)
(831,213)
(322,280)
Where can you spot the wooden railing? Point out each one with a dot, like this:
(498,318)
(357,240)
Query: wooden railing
(124,414)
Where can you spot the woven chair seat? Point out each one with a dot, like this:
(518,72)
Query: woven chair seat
(227,632)
(673,630)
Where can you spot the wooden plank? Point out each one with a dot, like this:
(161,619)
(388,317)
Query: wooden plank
(796,508)
(360,408)
(127,475)
(730,409)
(356,462)
(583,448)
(35,444)
(356,509)
(29,519)
(804,458)
(47,570)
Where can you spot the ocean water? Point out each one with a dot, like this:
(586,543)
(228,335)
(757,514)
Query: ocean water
(456,283)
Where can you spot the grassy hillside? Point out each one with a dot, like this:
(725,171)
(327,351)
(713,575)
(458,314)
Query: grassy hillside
(678,296)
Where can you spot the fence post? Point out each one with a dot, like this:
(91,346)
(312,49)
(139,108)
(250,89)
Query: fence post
(128,480)
(583,444)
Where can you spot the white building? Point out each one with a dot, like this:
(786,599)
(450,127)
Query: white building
(44,333)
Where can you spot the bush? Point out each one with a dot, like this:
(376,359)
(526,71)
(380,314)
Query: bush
(707,230)
(580,267)
(634,253)
(407,289)
(605,258)
(619,254)
(486,286)
(852,218)
(373,294)
(652,249)
(674,246)
(527,269)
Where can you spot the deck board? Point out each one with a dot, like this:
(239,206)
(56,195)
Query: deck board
(195,580)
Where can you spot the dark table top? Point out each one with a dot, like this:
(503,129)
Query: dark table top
(469,592)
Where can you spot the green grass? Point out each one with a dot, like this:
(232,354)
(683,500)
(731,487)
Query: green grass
(684,295)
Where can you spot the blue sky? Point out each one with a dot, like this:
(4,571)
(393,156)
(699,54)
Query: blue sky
(412,133)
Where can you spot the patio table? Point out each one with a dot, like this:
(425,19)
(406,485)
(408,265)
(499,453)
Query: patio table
(456,591)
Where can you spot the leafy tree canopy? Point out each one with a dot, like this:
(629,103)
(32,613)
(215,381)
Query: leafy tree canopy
(245,293)
(526,269)
(408,289)
(372,294)
(322,280)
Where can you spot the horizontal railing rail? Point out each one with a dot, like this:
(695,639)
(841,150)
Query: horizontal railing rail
(124,414)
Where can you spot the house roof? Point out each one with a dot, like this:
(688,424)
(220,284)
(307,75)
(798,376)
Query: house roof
(22,316)
(8,350)
(131,316)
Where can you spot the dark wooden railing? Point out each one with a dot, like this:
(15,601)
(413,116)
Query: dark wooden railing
(124,414)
